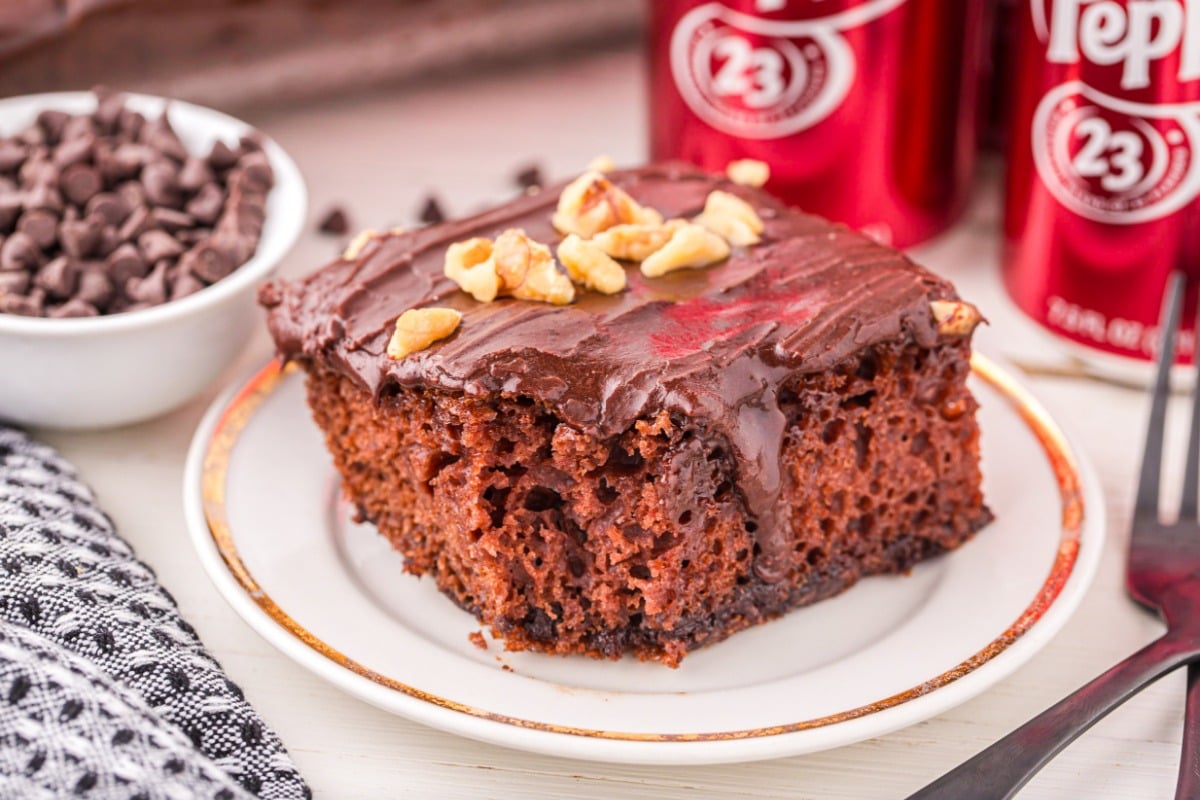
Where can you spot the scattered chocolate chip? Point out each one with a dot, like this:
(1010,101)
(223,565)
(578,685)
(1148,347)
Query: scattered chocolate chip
(132,193)
(41,226)
(77,127)
(431,211)
(45,196)
(335,222)
(138,222)
(529,177)
(152,288)
(109,107)
(159,134)
(51,122)
(75,151)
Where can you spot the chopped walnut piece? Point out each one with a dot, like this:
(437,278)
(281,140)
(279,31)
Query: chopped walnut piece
(418,328)
(588,264)
(732,218)
(690,246)
(636,242)
(748,172)
(358,244)
(954,317)
(601,163)
(592,203)
(470,265)
(527,270)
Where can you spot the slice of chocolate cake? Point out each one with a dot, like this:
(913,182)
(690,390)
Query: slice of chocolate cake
(636,463)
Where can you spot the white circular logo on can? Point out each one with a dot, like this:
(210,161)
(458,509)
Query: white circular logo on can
(764,79)
(1115,161)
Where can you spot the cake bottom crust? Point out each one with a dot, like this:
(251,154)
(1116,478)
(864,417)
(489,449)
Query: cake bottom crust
(565,543)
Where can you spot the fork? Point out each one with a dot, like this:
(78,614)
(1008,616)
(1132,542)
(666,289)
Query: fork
(1162,575)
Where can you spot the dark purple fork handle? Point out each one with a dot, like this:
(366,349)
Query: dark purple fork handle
(1188,787)
(1002,769)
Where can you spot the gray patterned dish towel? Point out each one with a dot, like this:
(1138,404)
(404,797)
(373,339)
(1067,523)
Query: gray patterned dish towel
(105,690)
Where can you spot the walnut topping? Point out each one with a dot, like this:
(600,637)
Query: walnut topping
(418,328)
(588,264)
(732,218)
(527,270)
(690,246)
(470,265)
(636,242)
(748,172)
(954,317)
(358,244)
(592,203)
(601,163)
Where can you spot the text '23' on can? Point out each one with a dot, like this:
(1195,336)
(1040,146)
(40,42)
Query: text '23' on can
(864,109)
(1103,174)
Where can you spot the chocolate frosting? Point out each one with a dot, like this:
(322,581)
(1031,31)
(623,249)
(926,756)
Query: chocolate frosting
(714,345)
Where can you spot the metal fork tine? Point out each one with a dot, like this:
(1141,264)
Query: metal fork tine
(1148,493)
(1191,475)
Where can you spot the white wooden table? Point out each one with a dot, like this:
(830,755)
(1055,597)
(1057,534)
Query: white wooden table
(379,155)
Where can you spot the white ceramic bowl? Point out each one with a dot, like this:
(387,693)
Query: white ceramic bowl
(105,371)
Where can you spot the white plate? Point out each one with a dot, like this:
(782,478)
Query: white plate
(260,493)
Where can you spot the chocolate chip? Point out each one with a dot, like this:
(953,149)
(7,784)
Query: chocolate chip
(171,220)
(221,157)
(184,284)
(431,211)
(151,289)
(95,287)
(193,235)
(334,222)
(529,177)
(159,181)
(19,252)
(75,151)
(159,134)
(59,278)
(125,161)
(75,307)
(112,208)
(110,240)
(80,183)
(79,238)
(12,155)
(156,245)
(77,127)
(51,122)
(109,106)
(15,282)
(206,206)
(10,209)
(132,193)
(130,122)
(29,305)
(38,169)
(138,222)
(208,262)
(257,169)
(43,195)
(41,226)
(194,174)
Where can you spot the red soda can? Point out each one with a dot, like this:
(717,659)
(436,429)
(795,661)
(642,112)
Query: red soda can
(864,109)
(1103,174)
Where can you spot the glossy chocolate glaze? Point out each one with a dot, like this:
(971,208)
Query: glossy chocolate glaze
(714,345)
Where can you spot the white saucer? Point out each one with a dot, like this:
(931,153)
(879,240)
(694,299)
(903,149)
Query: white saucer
(260,494)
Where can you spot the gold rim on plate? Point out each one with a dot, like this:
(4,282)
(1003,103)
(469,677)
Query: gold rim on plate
(241,408)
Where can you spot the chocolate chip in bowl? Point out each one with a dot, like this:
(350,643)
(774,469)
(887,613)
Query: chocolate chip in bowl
(134,232)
